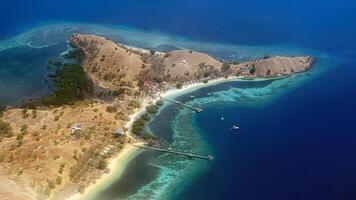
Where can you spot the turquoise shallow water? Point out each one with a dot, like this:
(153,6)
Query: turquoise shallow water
(175,175)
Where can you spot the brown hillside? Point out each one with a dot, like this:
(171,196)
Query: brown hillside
(108,64)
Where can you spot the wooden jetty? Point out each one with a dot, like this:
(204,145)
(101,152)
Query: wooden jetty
(198,110)
(190,155)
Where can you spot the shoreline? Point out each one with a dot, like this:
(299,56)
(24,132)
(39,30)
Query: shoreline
(118,164)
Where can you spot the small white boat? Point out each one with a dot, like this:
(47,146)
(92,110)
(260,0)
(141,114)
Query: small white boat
(234,127)
(222,118)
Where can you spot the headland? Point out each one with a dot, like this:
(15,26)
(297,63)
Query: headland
(76,140)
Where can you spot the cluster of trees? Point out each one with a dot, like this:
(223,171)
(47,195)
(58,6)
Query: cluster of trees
(152,108)
(253,70)
(76,54)
(160,102)
(137,126)
(70,83)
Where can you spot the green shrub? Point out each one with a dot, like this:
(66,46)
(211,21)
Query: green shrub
(75,54)
(152,109)
(179,85)
(102,164)
(225,68)
(135,104)
(58,180)
(51,184)
(145,117)
(111,109)
(19,137)
(24,113)
(118,92)
(267,56)
(2,110)
(70,84)
(24,129)
(252,70)
(5,129)
(160,102)
(268,72)
(147,136)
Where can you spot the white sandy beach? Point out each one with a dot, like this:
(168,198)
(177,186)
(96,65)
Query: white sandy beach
(117,165)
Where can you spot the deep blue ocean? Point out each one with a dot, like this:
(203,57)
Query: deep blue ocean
(297,139)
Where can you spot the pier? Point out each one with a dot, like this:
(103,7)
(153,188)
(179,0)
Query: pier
(190,155)
(198,110)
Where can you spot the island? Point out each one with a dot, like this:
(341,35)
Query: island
(55,147)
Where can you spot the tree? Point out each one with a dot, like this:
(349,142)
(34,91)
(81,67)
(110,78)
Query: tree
(111,109)
(2,110)
(267,56)
(70,83)
(5,129)
(225,68)
(268,72)
(179,85)
(102,164)
(160,102)
(252,70)
(152,108)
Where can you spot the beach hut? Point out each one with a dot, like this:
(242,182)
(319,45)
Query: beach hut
(119,132)
(76,127)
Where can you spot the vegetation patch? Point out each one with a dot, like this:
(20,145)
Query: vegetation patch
(5,130)
(111,109)
(2,110)
(160,102)
(252,70)
(70,83)
(152,109)
(137,126)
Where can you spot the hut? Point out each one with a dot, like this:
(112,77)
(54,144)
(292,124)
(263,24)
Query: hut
(76,127)
(119,132)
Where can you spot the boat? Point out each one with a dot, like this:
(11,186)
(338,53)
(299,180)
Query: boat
(234,127)
(210,157)
(222,118)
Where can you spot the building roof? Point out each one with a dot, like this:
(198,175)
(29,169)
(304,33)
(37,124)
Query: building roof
(119,131)
(77,126)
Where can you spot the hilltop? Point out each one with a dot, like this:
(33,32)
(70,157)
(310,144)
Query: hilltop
(114,65)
